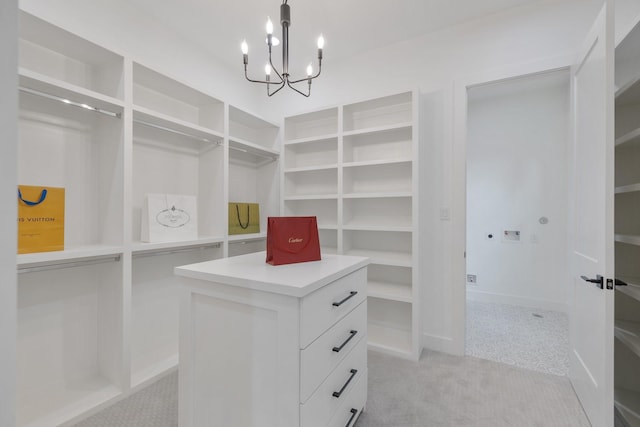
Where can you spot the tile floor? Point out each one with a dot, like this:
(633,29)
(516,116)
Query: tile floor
(519,336)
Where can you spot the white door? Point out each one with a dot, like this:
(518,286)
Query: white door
(592,311)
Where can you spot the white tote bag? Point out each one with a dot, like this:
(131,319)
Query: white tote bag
(169,218)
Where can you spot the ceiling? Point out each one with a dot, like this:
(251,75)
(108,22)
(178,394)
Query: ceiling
(349,26)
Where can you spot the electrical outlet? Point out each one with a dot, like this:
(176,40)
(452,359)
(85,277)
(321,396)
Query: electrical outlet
(471,279)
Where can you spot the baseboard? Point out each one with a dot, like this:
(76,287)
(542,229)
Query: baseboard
(516,300)
(441,344)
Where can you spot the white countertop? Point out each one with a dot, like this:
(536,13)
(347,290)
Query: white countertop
(252,272)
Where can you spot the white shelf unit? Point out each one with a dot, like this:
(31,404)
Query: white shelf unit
(253,174)
(354,166)
(99,319)
(627,229)
(69,340)
(177,148)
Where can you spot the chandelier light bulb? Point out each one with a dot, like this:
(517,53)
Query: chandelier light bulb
(269,26)
(244,47)
(267,69)
(320,42)
(309,70)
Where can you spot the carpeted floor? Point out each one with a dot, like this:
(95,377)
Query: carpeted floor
(438,390)
(520,336)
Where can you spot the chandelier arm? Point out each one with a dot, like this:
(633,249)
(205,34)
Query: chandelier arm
(309,78)
(300,92)
(275,70)
(276,91)
(246,76)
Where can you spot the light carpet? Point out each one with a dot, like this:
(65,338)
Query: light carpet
(438,390)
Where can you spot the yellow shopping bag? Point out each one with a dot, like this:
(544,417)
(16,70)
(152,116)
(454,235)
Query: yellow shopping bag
(40,219)
(244,218)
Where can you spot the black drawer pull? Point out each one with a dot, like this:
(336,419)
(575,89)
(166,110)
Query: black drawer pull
(353,411)
(339,393)
(351,295)
(352,334)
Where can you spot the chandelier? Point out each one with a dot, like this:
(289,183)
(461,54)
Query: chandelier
(283,78)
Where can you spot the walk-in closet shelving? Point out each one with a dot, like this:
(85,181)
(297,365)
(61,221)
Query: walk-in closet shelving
(178,138)
(354,167)
(254,152)
(69,337)
(627,229)
(99,320)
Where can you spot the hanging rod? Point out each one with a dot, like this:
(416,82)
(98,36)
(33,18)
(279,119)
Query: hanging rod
(70,264)
(177,132)
(257,153)
(151,253)
(70,102)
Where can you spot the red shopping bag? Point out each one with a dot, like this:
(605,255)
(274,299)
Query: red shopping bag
(292,239)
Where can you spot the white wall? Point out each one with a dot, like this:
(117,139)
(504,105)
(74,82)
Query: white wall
(517,140)
(8,210)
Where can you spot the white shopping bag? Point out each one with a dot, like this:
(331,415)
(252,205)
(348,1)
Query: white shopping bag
(169,218)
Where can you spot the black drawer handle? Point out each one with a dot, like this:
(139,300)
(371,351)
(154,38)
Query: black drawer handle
(353,411)
(352,334)
(339,393)
(351,295)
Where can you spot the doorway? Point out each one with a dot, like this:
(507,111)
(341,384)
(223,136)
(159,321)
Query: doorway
(517,214)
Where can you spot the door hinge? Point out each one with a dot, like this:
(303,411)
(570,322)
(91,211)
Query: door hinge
(609,283)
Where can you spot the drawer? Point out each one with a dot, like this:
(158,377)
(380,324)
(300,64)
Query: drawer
(347,414)
(324,307)
(336,389)
(325,353)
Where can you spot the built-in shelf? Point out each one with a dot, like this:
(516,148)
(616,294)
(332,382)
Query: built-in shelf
(98,320)
(246,152)
(373,227)
(627,204)
(376,195)
(140,248)
(312,197)
(389,161)
(628,238)
(398,259)
(162,121)
(628,404)
(629,93)
(629,333)
(377,129)
(631,138)
(310,168)
(632,188)
(322,226)
(311,139)
(247,237)
(353,166)
(61,89)
(391,291)
(633,287)
(56,407)
(144,376)
(70,255)
(389,340)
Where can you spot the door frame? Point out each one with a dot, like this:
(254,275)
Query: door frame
(459,179)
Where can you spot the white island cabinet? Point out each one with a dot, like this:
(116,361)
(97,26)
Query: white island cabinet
(265,346)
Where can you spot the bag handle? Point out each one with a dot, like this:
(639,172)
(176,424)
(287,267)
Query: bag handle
(244,227)
(43,196)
